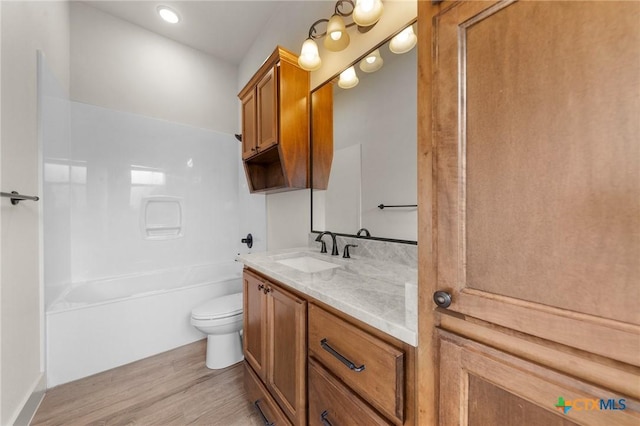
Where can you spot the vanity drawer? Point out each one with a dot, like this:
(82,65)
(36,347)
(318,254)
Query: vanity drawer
(330,402)
(261,400)
(370,366)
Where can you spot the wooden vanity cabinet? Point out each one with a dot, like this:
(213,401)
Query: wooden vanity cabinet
(275,125)
(267,408)
(275,344)
(331,402)
(364,367)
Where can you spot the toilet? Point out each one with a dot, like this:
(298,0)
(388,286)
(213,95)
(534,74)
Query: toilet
(221,320)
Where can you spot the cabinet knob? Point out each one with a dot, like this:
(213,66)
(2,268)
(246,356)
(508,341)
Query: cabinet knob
(260,287)
(267,290)
(442,299)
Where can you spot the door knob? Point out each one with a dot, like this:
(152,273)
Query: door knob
(248,241)
(442,299)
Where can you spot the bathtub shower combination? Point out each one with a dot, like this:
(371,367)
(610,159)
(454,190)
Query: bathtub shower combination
(98,325)
(141,225)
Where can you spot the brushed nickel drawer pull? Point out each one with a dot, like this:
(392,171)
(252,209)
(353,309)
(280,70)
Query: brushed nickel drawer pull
(341,358)
(323,418)
(265,420)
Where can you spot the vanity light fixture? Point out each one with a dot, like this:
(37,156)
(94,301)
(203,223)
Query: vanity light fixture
(309,58)
(348,78)
(404,41)
(337,38)
(372,62)
(336,34)
(168,14)
(367,12)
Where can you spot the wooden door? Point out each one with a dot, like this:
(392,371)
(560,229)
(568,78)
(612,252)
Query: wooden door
(286,378)
(255,324)
(249,125)
(267,92)
(536,216)
(483,386)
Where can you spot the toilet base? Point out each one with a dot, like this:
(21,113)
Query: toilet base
(223,350)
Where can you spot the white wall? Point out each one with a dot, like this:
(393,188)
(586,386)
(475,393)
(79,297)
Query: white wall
(288,214)
(26,27)
(123,67)
(120,66)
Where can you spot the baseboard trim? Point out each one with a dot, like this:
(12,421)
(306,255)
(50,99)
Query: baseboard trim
(33,402)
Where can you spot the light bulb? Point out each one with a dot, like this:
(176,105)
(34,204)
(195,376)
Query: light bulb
(168,14)
(403,41)
(372,62)
(367,12)
(348,78)
(337,38)
(366,5)
(309,59)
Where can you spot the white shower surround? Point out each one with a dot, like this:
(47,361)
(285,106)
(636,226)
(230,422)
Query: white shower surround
(98,325)
(112,294)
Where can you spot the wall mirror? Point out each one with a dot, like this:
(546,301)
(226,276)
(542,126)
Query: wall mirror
(371,153)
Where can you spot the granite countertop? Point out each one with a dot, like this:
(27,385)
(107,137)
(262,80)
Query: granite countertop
(379,293)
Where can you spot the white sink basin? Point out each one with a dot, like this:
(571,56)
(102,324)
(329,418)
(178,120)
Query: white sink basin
(308,264)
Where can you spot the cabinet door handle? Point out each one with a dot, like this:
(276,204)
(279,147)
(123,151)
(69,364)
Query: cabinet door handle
(260,287)
(341,358)
(264,418)
(442,299)
(323,418)
(267,290)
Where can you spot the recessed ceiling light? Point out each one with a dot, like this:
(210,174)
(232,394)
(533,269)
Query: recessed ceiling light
(168,14)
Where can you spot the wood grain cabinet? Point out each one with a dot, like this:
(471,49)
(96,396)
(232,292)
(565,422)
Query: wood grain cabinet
(536,224)
(333,403)
(275,125)
(371,369)
(274,340)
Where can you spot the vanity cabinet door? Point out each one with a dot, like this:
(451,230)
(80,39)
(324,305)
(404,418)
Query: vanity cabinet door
(286,377)
(254,336)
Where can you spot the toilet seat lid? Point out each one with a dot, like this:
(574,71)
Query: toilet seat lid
(220,307)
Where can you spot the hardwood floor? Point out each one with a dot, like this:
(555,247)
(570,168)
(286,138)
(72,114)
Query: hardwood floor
(172,388)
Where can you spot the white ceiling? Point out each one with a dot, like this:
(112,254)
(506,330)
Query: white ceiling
(224,29)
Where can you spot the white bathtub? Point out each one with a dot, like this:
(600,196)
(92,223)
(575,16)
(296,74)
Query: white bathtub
(98,325)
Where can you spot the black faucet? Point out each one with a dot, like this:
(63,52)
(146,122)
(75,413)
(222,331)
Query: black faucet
(334,250)
(346,254)
(365,230)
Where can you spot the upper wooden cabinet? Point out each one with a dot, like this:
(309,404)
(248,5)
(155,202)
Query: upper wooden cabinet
(275,125)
